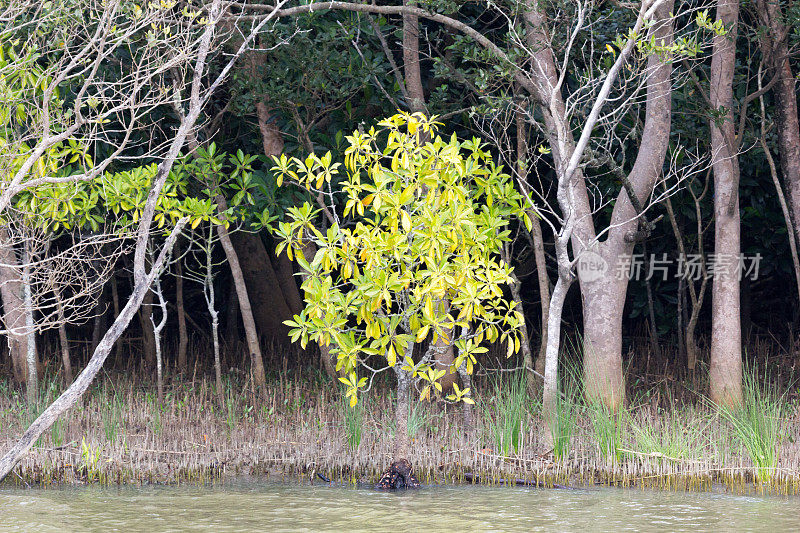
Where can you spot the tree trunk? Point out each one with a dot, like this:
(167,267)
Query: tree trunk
(655,344)
(13,308)
(544,290)
(309,250)
(232,315)
(115,298)
(550,390)
(97,323)
(148,338)
(531,379)
(209,293)
(217,361)
(787,217)
(725,370)
(775,47)
(441,348)
(604,290)
(157,329)
(603,305)
(602,318)
(402,441)
(32,382)
(288,282)
(536,370)
(262,286)
(62,339)
(256,361)
(413,76)
(183,337)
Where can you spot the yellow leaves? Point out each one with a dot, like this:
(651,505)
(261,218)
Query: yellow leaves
(353,385)
(422,225)
(407,194)
(405,220)
(460,395)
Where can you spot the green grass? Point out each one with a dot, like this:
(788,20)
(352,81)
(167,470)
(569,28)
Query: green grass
(562,426)
(678,436)
(505,412)
(353,421)
(608,428)
(111,409)
(757,423)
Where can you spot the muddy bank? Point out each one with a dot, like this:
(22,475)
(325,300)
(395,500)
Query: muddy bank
(120,434)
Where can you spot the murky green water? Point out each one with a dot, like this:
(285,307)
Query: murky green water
(291,507)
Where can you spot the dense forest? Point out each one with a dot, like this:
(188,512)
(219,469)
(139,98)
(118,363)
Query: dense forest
(402,203)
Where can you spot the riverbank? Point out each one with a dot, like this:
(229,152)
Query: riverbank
(300,426)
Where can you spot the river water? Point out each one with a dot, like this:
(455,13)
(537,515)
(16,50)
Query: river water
(293,507)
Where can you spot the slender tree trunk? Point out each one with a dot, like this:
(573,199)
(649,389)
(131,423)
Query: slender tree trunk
(157,329)
(531,380)
(441,348)
(655,344)
(183,337)
(544,289)
(256,361)
(781,197)
(32,383)
(402,441)
(725,370)
(550,391)
(535,370)
(64,341)
(115,298)
(148,338)
(97,323)
(413,75)
(232,315)
(775,47)
(13,307)
(217,361)
(466,408)
(697,297)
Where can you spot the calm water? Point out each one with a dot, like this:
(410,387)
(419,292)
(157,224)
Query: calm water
(286,507)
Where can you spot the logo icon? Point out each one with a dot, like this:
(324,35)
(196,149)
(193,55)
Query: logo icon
(591,266)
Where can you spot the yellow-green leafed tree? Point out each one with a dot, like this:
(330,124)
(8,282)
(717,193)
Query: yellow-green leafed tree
(418,224)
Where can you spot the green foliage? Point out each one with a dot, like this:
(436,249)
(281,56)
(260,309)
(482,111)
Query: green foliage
(704,21)
(90,460)
(229,175)
(423,224)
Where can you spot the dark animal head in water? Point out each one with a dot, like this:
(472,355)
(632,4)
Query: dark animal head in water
(398,476)
(403,467)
